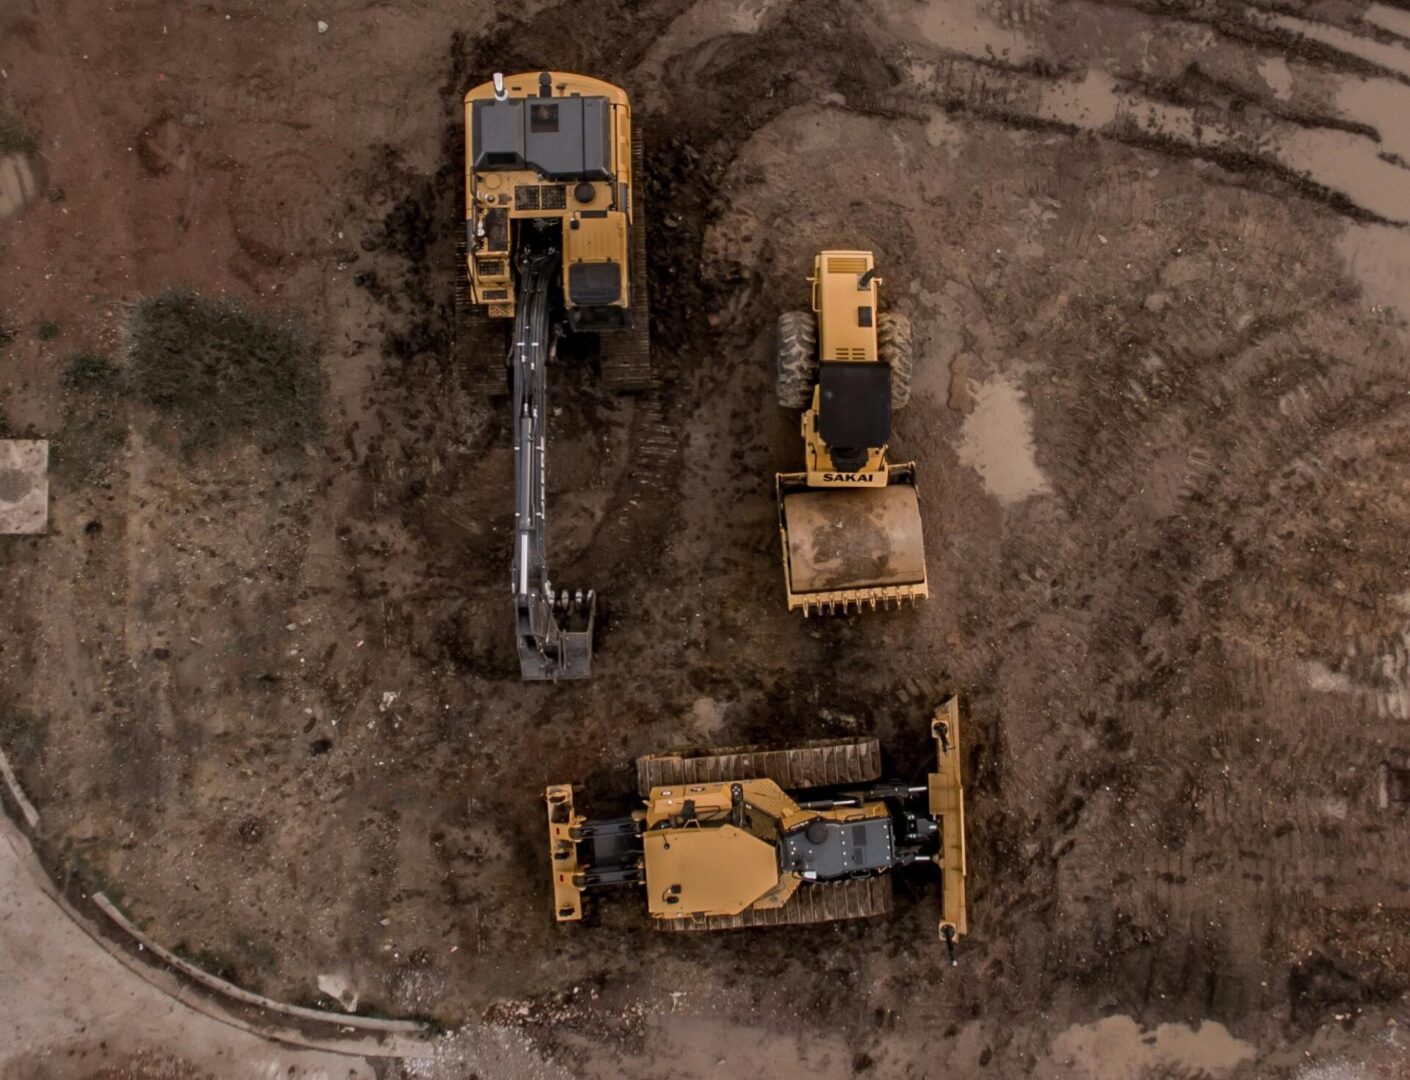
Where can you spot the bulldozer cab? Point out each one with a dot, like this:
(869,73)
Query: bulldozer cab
(717,871)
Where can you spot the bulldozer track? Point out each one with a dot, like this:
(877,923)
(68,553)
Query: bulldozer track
(817,902)
(821,763)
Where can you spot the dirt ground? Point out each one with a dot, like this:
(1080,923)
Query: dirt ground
(1156,260)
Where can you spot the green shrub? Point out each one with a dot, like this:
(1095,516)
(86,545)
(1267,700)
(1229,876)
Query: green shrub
(47,330)
(93,371)
(14,139)
(218,368)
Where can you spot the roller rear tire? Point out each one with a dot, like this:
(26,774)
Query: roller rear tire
(894,347)
(796,357)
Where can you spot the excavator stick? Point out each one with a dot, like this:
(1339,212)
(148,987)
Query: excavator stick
(846,547)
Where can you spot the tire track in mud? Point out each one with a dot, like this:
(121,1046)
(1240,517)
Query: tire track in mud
(1252,24)
(1160,99)
(1268,411)
(1165,120)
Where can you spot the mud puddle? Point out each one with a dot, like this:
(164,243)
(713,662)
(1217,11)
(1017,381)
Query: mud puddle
(1370,173)
(996,440)
(1118,1048)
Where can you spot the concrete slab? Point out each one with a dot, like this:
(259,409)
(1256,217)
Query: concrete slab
(24,485)
(70,1010)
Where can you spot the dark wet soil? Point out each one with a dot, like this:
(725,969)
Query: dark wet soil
(272,703)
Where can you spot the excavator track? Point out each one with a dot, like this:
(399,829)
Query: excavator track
(479,343)
(626,356)
(818,763)
(479,346)
(814,902)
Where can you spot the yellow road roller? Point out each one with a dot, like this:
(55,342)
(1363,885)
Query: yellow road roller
(850,522)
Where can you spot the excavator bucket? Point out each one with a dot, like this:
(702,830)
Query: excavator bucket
(846,547)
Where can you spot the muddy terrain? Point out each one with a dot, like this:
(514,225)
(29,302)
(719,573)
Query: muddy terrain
(264,692)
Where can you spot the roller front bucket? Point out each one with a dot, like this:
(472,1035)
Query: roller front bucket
(851,546)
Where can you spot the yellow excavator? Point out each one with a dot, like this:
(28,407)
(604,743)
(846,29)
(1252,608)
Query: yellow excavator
(555,244)
(850,522)
(747,837)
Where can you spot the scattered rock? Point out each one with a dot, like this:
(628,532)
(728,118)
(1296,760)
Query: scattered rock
(337,988)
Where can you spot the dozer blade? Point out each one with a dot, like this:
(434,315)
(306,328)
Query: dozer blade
(852,546)
(946,791)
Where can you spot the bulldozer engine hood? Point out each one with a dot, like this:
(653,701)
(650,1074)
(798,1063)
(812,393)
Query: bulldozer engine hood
(822,850)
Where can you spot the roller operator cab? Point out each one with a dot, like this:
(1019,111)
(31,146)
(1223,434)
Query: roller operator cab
(549,164)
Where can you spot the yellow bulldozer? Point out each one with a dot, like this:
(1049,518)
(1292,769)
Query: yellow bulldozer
(850,522)
(746,837)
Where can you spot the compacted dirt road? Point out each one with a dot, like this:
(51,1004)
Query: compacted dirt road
(1155,255)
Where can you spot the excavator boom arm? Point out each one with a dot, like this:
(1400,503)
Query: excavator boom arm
(554,630)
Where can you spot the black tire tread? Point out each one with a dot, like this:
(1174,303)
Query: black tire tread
(895,346)
(796,359)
